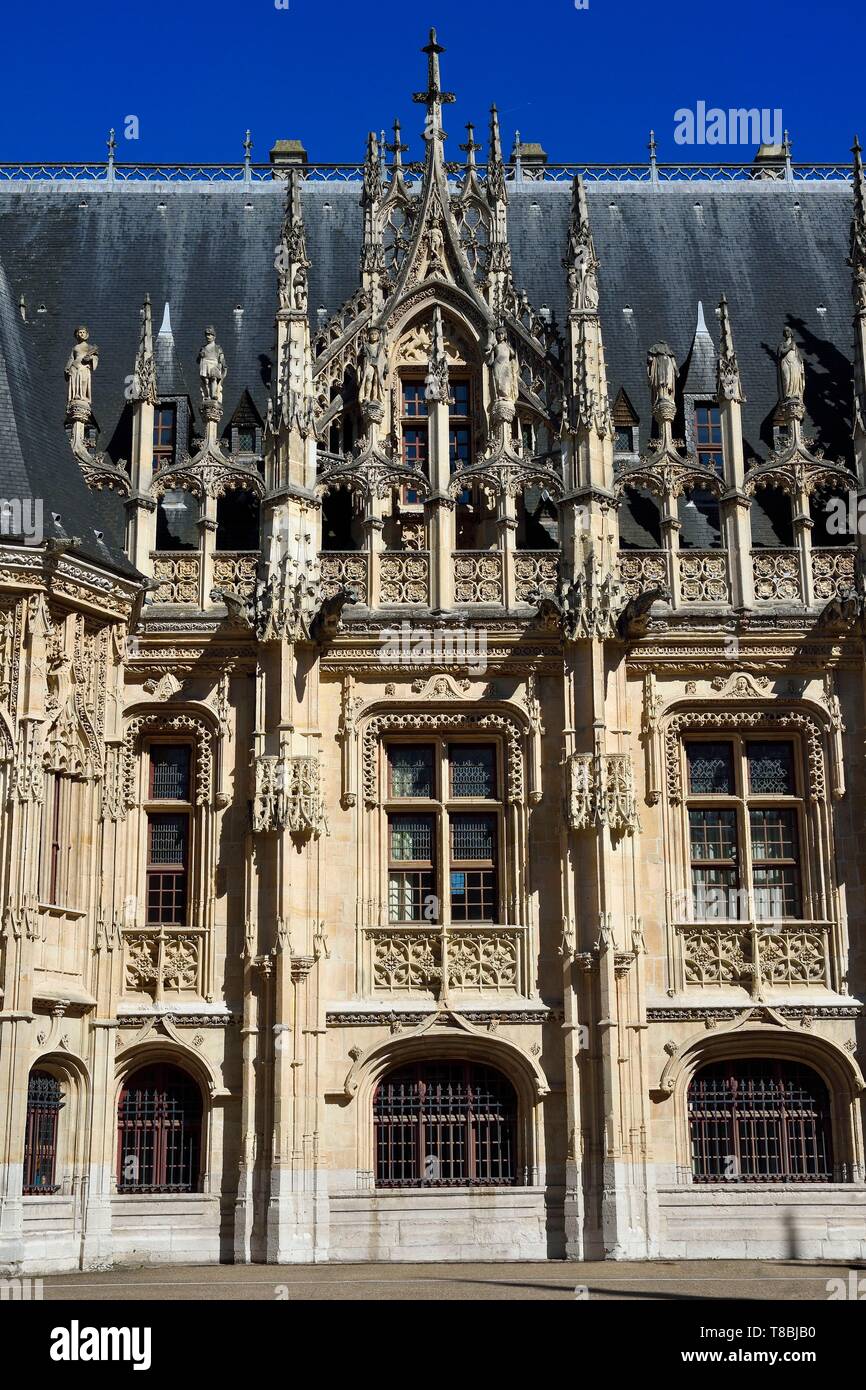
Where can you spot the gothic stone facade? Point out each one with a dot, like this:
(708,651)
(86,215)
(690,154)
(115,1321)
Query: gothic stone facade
(432,714)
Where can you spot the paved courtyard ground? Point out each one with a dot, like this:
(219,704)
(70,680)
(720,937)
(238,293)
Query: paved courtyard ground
(655,1281)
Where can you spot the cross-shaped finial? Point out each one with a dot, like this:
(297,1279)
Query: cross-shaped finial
(434,97)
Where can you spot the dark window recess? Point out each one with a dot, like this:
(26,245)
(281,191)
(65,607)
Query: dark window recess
(44,1102)
(759,1121)
(700,524)
(159,1132)
(771,518)
(708,438)
(237,521)
(338,521)
(177,521)
(441,1124)
(826,507)
(537,520)
(640,523)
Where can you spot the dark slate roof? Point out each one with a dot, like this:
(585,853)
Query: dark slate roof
(88,255)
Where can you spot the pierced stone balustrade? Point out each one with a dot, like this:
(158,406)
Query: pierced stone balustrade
(178,574)
(703,576)
(404,577)
(734,954)
(535,569)
(832,572)
(481,959)
(236,570)
(344,568)
(478,576)
(640,570)
(777,576)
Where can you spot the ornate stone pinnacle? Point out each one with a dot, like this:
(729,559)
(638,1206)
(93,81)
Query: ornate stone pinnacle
(727,371)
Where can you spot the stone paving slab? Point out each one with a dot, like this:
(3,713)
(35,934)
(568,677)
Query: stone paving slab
(675,1281)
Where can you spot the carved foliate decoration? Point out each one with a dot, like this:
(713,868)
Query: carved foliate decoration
(287,795)
(600,790)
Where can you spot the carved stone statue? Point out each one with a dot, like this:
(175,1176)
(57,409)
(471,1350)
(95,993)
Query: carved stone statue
(80,366)
(582,279)
(374,369)
(212,368)
(504,379)
(662,374)
(299,291)
(435,247)
(792,376)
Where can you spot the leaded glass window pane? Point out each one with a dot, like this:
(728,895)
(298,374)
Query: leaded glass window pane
(169,772)
(711,768)
(771,768)
(411,770)
(473,837)
(411,838)
(713,834)
(774,833)
(473,770)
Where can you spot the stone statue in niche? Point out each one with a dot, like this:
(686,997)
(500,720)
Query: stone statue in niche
(80,366)
(582,279)
(212,368)
(792,376)
(374,369)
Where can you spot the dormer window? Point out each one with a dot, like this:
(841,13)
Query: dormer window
(246,441)
(626,437)
(708,438)
(624,440)
(164,432)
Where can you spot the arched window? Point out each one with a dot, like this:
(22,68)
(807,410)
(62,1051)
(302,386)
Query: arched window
(159,1131)
(759,1120)
(445,1124)
(44,1101)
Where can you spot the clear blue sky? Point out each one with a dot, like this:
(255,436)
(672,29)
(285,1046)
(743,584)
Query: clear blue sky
(588,84)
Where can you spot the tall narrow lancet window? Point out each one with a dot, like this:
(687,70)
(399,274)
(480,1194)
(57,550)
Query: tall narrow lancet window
(169,833)
(164,435)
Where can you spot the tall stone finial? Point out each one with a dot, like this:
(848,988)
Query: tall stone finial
(857,256)
(80,366)
(495,166)
(792,375)
(662,374)
(434,98)
(212,374)
(291,260)
(372,171)
(397,150)
(471,147)
(581,262)
(144,375)
(728,384)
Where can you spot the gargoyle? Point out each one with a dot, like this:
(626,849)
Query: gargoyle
(842,612)
(633,621)
(238,608)
(325,624)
